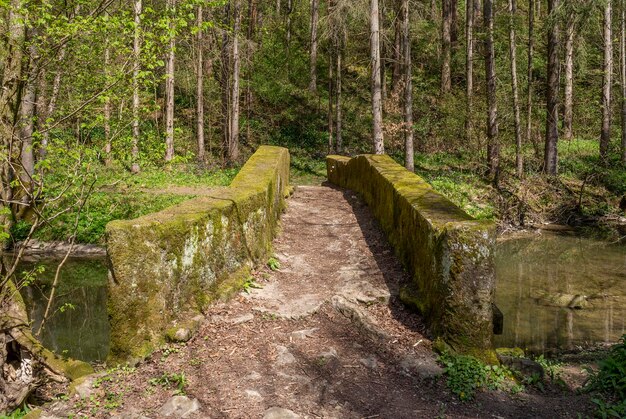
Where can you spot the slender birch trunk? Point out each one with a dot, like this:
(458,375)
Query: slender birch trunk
(493,147)
(605,133)
(233,147)
(519,163)
(469,69)
(377,108)
(408,90)
(169,86)
(107,107)
(552,94)
(446,45)
(136,64)
(622,45)
(200,85)
(27,128)
(338,113)
(313,51)
(568,112)
(529,74)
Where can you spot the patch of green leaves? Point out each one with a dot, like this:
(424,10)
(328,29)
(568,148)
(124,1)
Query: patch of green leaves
(273,264)
(466,374)
(177,380)
(16,414)
(250,284)
(609,383)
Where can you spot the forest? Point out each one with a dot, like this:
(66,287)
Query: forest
(499,97)
(109,110)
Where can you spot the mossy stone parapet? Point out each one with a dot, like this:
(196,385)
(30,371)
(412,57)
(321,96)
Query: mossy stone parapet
(449,254)
(167,267)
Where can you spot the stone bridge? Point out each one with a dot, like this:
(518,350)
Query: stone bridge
(167,268)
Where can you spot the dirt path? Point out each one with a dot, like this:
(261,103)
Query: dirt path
(325,336)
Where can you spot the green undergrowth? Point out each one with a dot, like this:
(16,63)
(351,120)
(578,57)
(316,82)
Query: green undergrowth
(117,194)
(102,207)
(466,375)
(161,178)
(608,383)
(457,178)
(307,170)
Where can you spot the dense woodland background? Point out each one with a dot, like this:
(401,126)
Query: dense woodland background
(487,100)
(109,109)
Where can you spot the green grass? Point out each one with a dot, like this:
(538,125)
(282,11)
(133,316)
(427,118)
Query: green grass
(307,170)
(174,175)
(120,195)
(457,179)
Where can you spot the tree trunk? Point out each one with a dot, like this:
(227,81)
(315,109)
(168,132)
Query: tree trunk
(552,93)
(200,86)
(313,51)
(10,101)
(519,164)
(27,128)
(529,75)
(398,48)
(338,113)
(408,89)
(330,115)
(623,75)
(136,65)
(454,33)
(568,113)
(107,107)
(52,103)
(233,146)
(288,25)
(493,147)
(446,45)
(225,83)
(469,69)
(332,53)
(377,108)
(169,86)
(605,134)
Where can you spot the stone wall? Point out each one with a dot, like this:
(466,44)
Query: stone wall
(169,266)
(448,253)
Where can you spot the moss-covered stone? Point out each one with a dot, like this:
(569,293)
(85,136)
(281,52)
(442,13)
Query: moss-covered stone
(169,266)
(449,254)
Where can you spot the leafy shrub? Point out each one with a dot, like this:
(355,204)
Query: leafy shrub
(467,374)
(609,382)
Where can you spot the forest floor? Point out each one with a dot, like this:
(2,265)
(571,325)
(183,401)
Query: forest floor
(321,335)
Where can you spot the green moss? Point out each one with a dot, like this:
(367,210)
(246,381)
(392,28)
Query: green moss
(513,352)
(169,266)
(449,254)
(34,414)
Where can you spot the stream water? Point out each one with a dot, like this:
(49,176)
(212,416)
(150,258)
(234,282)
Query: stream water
(560,292)
(557,291)
(78,326)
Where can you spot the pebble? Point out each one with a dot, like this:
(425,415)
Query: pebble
(284,356)
(303,334)
(279,413)
(179,407)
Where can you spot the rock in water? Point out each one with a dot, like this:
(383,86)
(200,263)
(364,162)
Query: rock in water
(179,407)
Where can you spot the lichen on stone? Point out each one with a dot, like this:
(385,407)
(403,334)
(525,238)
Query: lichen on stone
(169,266)
(449,254)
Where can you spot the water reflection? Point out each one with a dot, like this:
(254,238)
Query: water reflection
(79,325)
(559,291)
